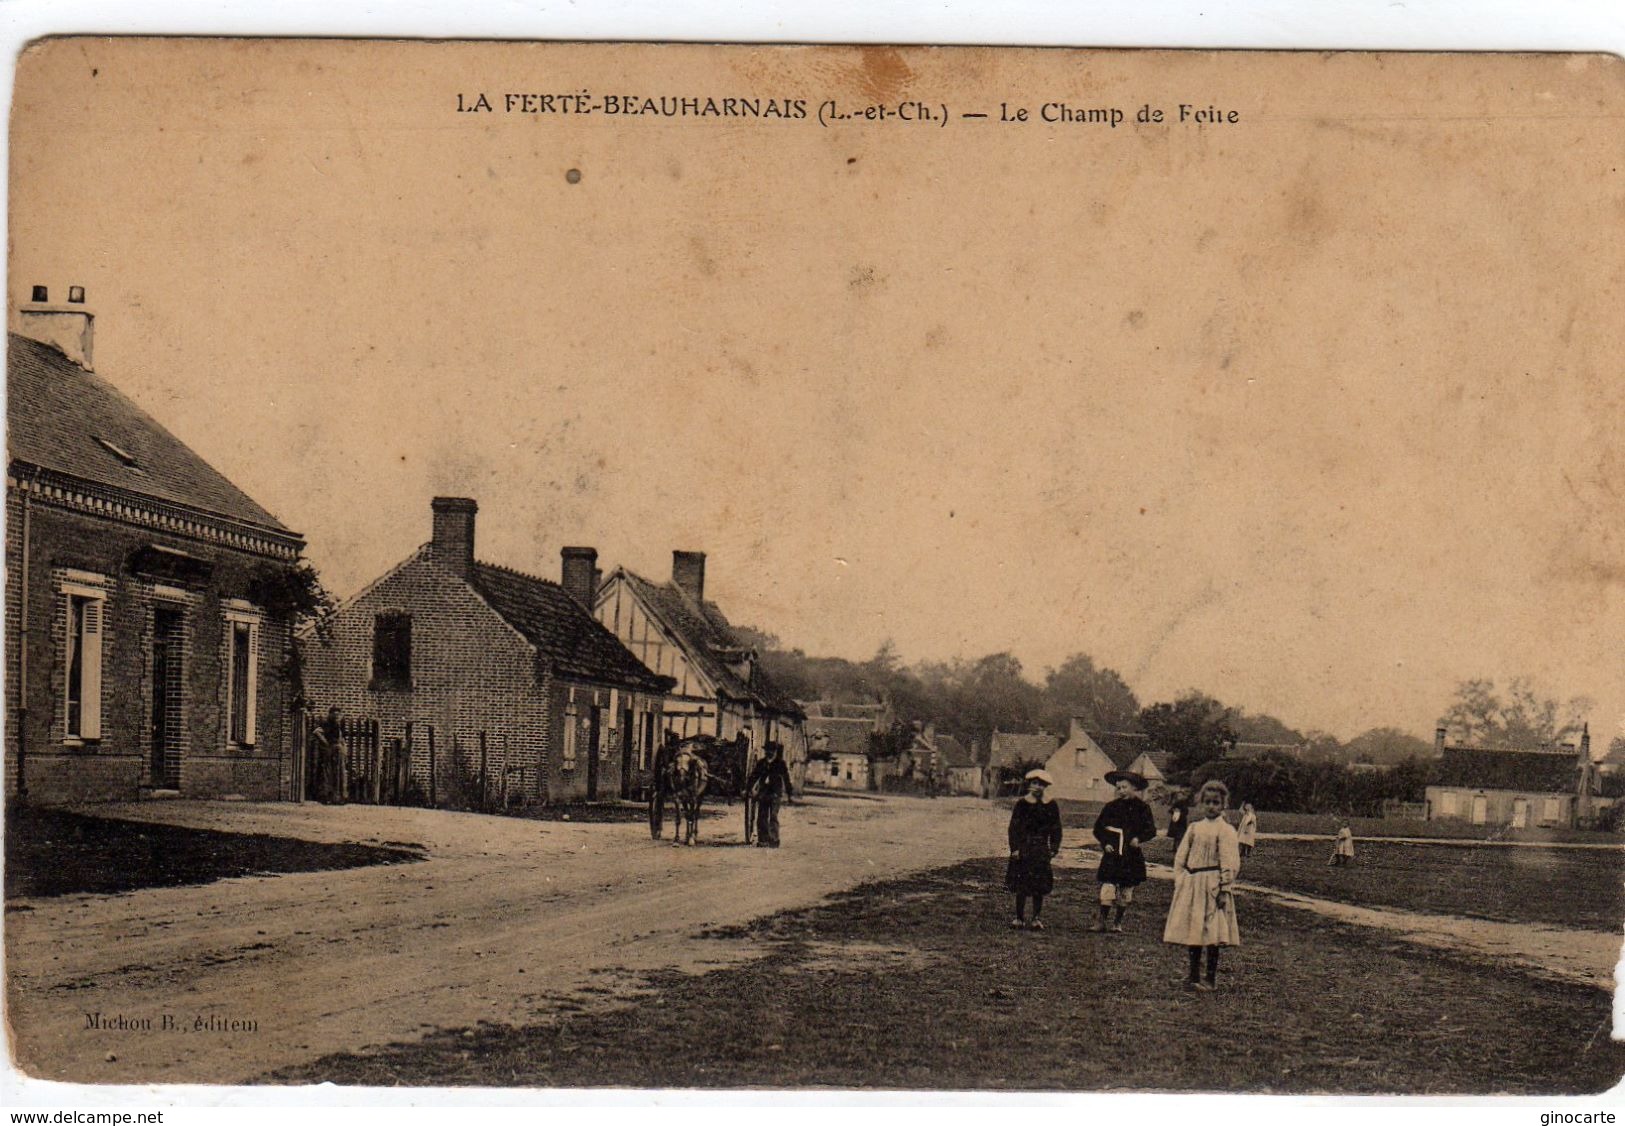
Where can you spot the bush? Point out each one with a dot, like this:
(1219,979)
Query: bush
(1612,819)
(1290,785)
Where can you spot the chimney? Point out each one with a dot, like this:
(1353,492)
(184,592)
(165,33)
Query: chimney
(1076,734)
(688,573)
(1438,741)
(1583,786)
(65,326)
(453,543)
(580,574)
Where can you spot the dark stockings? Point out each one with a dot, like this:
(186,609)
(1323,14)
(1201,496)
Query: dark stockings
(1196,962)
(1021,906)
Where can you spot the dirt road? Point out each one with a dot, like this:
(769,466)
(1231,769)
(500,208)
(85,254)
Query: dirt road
(506,921)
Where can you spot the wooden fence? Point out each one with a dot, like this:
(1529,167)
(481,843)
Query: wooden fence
(419,767)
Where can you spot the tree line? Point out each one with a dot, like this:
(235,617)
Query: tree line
(973,698)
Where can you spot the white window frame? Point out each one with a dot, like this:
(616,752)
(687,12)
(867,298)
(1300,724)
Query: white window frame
(239,613)
(1552,808)
(1447,803)
(91,645)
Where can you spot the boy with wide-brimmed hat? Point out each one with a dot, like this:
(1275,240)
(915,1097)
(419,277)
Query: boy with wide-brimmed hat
(1124,825)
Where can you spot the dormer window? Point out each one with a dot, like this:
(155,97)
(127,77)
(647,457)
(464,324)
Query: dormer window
(125,457)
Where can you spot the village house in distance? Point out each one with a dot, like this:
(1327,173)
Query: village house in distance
(720,687)
(141,658)
(1518,787)
(489,677)
(1080,765)
(841,741)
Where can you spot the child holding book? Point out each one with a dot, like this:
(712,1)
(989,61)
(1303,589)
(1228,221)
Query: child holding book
(1124,824)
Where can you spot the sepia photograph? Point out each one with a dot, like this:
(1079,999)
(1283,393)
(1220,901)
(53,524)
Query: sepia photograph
(814,568)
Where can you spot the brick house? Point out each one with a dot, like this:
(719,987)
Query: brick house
(138,660)
(720,686)
(488,657)
(1517,787)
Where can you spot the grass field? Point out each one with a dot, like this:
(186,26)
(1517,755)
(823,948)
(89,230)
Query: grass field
(918,983)
(1564,887)
(1081,815)
(1450,829)
(50,852)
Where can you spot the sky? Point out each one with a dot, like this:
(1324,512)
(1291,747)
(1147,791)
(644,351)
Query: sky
(1317,411)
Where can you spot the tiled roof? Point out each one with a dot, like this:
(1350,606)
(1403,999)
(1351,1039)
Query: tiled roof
(707,634)
(1258,750)
(1482,768)
(1122,747)
(845,736)
(872,712)
(955,753)
(831,709)
(1007,748)
(67,420)
(562,630)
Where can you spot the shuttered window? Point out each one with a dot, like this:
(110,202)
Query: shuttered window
(242,703)
(86,630)
(570,719)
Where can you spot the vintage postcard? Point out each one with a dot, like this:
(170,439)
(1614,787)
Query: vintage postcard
(603,565)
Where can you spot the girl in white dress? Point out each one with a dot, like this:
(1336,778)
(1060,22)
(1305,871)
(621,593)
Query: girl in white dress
(1202,916)
(1343,849)
(1247,831)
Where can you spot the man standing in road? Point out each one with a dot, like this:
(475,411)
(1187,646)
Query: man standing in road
(767,786)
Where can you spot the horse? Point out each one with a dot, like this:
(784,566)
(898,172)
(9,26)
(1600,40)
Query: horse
(687,780)
(724,762)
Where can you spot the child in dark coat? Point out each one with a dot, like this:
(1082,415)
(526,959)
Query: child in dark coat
(1125,823)
(1035,837)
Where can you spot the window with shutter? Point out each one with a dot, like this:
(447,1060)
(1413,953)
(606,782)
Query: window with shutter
(82,710)
(243,681)
(569,756)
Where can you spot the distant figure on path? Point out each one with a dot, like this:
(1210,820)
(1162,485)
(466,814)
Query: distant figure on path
(1247,831)
(1343,850)
(1124,825)
(1035,837)
(1202,914)
(767,786)
(1179,814)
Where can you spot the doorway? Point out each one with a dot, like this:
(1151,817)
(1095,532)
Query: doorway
(628,737)
(595,732)
(167,702)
